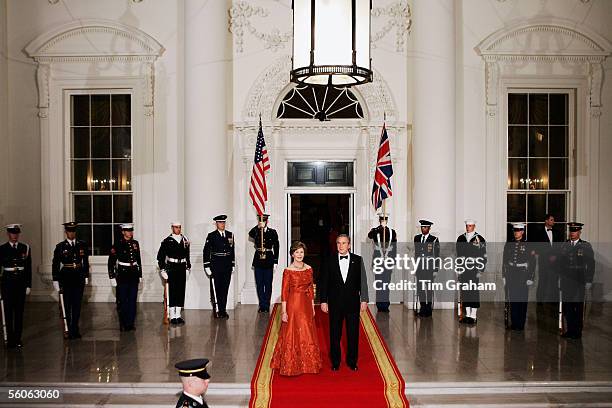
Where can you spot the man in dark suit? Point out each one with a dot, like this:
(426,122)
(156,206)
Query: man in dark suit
(219,262)
(548,275)
(344,294)
(426,247)
(264,260)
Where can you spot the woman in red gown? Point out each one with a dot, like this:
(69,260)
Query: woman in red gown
(297,350)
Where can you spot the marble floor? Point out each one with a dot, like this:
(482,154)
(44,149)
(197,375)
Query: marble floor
(430,350)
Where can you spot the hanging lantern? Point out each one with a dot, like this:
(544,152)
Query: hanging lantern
(331,42)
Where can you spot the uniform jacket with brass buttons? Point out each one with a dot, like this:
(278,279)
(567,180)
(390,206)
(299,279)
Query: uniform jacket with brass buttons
(70,262)
(270,244)
(16,263)
(124,260)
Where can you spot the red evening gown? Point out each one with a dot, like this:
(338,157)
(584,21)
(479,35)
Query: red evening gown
(297,350)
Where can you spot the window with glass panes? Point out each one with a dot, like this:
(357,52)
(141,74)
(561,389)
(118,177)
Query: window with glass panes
(101,166)
(539,128)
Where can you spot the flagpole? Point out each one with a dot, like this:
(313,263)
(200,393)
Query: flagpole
(384,206)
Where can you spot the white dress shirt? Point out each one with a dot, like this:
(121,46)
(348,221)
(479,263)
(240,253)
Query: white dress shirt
(344,266)
(550,235)
(199,399)
(424,237)
(177,238)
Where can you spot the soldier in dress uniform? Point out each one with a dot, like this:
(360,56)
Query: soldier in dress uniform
(125,273)
(577,267)
(219,262)
(70,271)
(470,245)
(264,260)
(426,246)
(16,281)
(518,272)
(195,379)
(384,240)
(175,266)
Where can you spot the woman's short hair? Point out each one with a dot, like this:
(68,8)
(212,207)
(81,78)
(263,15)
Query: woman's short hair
(295,246)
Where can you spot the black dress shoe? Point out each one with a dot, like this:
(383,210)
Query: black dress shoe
(225,315)
(353,367)
(335,367)
(180,320)
(260,310)
(383,310)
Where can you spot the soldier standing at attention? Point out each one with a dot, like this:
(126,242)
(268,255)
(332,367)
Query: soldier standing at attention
(518,273)
(384,240)
(16,272)
(427,247)
(470,245)
(219,261)
(577,268)
(125,273)
(175,266)
(70,271)
(264,260)
(195,379)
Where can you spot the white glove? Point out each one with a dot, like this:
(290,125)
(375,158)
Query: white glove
(28,290)
(504,280)
(188,272)
(529,282)
(478,275)
(56,286)
(435,274)
(207,272)
(86,281)
(164,274)
(114,282)
(588,285)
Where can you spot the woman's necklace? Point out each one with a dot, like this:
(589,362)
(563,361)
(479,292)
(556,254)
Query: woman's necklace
(298,267)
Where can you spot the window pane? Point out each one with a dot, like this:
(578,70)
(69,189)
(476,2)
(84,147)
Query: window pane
(558,174)
(80,142)
(100,110)
(517,141)
(558,141)
(82,208)
(83,233)
(102,210)
(122,174)
(80,172)
(517,173)
(122,208)
(121,110)
(517,109)
(100,142)
(536,207)
(516,208)
(538,174)
(538,141)
(556,206)
(122,143)
(80,110)
(538,109)
(100,175)
(103,239)
(558,109)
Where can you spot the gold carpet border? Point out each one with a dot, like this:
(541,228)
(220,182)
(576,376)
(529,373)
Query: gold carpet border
(263,386)
(393,394)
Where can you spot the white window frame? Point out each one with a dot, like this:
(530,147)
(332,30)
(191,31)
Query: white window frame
(69,193)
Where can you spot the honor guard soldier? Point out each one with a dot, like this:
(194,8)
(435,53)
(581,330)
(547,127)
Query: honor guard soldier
(518,273)
(577,268)
(175,266)
(426,247)
(195,379)
(125,273)
(470,245)
(219,261)
(16,281)
(384,240)
(70,271)
(264,260)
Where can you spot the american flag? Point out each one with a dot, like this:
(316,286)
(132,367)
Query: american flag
(261,165)
(384,170)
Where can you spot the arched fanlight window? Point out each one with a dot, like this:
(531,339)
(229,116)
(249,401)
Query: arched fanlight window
(319,102)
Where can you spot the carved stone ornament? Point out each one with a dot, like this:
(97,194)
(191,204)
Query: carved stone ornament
(90,41)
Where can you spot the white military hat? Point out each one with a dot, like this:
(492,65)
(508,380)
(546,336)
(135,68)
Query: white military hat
(127,227)
(518,226)
(470,221)
(176,224)
(13,228)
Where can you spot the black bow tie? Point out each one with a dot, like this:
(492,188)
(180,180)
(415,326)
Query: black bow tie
(548,229)
(343,257)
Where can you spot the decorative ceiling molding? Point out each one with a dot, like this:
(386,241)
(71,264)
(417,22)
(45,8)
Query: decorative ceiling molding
(273,83)
(544,41)
(395,15)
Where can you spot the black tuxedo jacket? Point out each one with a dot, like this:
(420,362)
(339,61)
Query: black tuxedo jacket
(339,295)
(540,235)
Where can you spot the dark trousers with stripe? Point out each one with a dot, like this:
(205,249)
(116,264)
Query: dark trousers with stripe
(127,294)
(73,297)
(13,299)
(263,282)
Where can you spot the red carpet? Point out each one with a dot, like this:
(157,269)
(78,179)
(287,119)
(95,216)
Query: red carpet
(378,383)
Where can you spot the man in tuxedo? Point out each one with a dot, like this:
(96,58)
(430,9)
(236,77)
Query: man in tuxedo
(548,274)
(344,294)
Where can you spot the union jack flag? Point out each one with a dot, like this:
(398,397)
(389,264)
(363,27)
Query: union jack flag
(261,165)
(384,170)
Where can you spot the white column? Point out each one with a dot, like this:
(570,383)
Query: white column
(4,154)
(207,176)
(433,102)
